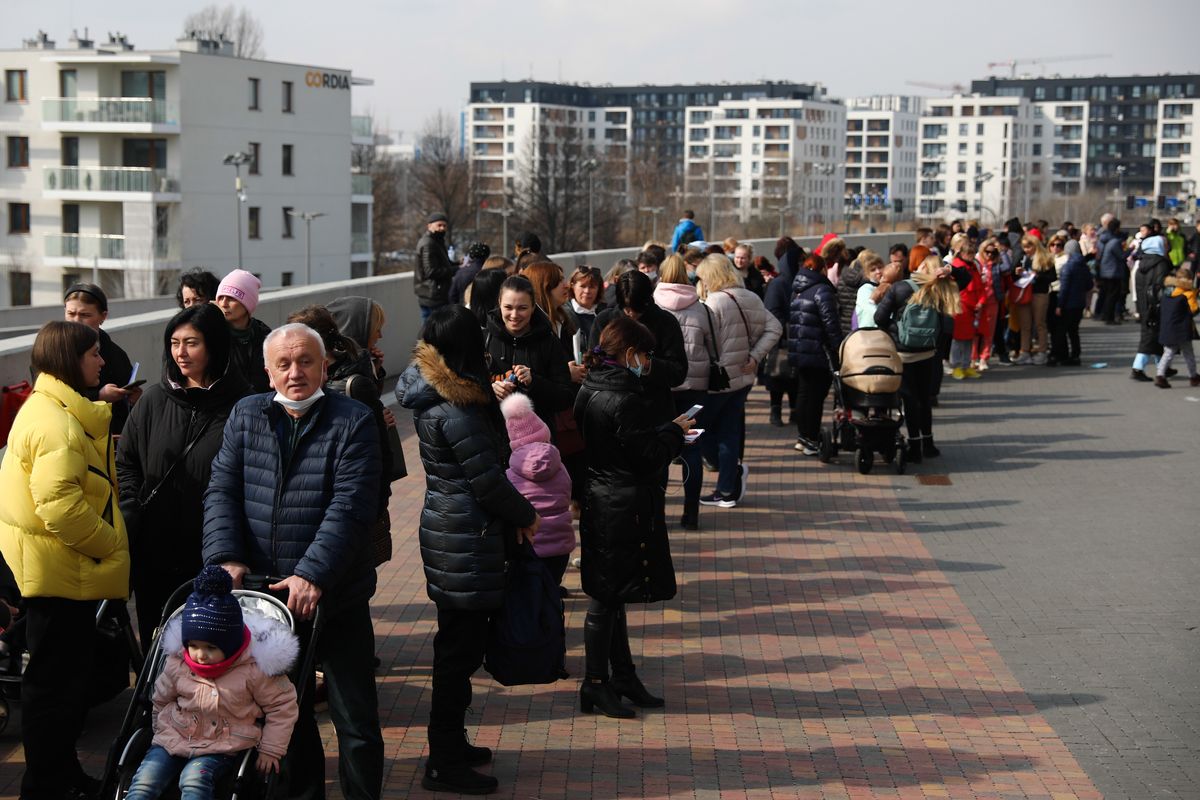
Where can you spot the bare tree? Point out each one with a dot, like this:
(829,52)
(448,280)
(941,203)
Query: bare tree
(230,23)
(441,173)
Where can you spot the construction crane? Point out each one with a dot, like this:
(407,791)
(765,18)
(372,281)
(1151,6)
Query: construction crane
(957,88)
(1012,63)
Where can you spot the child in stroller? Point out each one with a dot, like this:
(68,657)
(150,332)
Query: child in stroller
(222,672)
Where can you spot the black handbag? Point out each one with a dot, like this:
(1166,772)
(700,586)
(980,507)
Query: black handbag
(145,502)
(527,641)
(718,377)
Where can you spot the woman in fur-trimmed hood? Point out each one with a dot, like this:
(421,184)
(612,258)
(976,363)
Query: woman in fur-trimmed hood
(471,513)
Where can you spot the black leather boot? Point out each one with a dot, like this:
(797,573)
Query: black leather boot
(624,675)
(595,691)
(928,450)
(914,450)
(777,416)
(473,755)
(447,769)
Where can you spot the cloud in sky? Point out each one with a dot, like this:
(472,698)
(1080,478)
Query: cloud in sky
(423,55)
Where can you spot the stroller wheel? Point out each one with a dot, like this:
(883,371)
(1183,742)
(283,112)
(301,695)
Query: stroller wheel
(864,460)
(901,462)
(827,449)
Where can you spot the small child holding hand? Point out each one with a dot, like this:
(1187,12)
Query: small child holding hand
(222,673)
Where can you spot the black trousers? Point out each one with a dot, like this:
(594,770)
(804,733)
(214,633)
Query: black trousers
(1110,294)
(812,387)
(458,649)
(1067,330)
(916,390)
(346,652)
(61,636)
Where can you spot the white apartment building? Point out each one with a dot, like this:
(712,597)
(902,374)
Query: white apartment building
(983,156)
(115,168)
(1067,124)
(1177,167)
(503,138)
(765,156)
(881,156)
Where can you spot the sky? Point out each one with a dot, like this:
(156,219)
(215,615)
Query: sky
(423,55)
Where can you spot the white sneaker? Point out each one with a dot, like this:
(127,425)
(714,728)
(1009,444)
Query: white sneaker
(983,365)
(1039,359)
(806,447)
(1024,359)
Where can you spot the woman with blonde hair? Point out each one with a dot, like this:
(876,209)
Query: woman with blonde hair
(1032,316)
(931,288)
(745,333)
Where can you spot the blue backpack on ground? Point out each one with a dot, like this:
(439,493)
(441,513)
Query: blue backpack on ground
(919,325)
(527,640)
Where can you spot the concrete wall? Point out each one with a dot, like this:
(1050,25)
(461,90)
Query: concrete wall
(141,334)
(139,331)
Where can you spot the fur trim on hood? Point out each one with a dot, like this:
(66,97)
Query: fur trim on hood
(453,388)
(272,644)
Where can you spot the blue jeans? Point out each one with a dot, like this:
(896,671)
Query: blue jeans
(197,776)
(723,420)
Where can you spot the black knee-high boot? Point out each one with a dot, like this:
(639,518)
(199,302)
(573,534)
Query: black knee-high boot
(624,674)
(596,692)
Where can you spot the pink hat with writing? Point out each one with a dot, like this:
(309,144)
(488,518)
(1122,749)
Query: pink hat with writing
(241,286)
(524,426)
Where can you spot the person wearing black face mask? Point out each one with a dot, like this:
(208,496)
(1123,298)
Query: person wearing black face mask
(435,271)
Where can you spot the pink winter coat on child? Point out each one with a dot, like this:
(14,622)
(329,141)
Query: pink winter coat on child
(536,470)
(195,716)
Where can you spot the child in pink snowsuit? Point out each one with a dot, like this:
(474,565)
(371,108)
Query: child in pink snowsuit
(536,469)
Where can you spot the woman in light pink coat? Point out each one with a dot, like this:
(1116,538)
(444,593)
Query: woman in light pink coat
(536,470)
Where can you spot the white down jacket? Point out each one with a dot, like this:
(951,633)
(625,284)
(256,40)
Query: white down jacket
(744,330)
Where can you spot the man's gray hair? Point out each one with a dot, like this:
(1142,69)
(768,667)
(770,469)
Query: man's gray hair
(287,330)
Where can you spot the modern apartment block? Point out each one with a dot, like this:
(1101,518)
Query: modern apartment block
(761,157)
(1178,141)
(117,168)
(983,156)
(1122,117)
(882,135)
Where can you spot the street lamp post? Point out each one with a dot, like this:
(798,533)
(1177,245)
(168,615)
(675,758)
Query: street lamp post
(980,180)
(654,211)
(308,217)
(236,160)
(782,210)
(589,166)
(504,213)
(1120,179)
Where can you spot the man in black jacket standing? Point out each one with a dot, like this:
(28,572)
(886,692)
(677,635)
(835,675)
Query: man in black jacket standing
(435,271)
(294,488)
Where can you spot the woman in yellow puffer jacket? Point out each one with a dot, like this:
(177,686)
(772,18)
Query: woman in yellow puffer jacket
(62,535)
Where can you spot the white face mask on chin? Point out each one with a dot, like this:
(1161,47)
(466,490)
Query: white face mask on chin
(299,406)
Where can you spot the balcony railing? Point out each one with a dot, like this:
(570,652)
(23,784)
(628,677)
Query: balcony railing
(85,245)
(108,179)
(360,184)
(360,242)
(105,109)
(361,127)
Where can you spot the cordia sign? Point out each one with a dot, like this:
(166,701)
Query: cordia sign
(326,80)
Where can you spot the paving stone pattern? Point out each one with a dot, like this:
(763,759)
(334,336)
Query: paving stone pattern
(857,636)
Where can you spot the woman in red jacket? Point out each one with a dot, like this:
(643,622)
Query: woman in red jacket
(966,321)
(989,305)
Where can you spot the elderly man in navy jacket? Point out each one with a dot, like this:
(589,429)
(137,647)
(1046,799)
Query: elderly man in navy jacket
(293,491)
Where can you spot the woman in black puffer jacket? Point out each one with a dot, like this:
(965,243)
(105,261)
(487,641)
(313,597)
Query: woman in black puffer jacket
(814,335)
(470,507)
(191,402)
(626,557)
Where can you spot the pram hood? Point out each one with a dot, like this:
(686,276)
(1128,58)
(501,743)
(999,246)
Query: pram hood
(272,644)
(870,362)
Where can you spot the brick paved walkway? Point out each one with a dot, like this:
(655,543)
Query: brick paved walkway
(816,649)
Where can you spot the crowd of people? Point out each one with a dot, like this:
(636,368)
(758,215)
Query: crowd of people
(545,401)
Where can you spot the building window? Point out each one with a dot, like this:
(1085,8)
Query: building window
(287,160)
(18,217)
(979,148)
(20,286)
(254,230)
(285,279)
(287,97)
(254,94)
(18,151)
(16,86)
(70,151)
(255,152)
(287,222)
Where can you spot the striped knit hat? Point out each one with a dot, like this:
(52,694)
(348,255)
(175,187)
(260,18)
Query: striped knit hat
(212,613)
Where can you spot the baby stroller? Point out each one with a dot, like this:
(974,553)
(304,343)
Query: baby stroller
(136,732)
(116,652)
(866,403)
